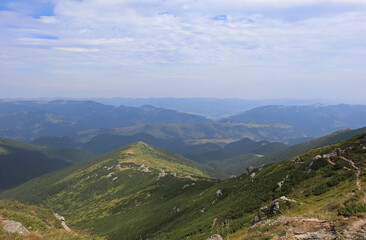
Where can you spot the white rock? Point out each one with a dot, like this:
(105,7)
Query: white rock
(14,227)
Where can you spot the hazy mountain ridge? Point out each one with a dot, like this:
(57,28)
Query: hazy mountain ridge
(315,120)
(25,120)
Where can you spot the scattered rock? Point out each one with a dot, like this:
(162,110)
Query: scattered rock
(317,157)
(297,160)
(62,219)
(162,174)
(256,219)
(110,175)
(265,209)
(144,168)
(250,169)
(14,227)
(252,175)
(283,198)
(115,178)
(215,237)
(308,168)
(275,207)
(176,210)
(202,210)
(218,193)
(185,186)
(174,174)
(282,182)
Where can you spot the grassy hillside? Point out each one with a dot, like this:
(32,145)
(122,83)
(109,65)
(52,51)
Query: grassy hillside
(326,184)
(40,222)
(20,162)
(124,192)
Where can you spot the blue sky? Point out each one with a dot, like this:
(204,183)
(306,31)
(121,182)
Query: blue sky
(193,48)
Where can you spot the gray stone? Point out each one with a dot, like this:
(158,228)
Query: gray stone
(264,209)
(275,207)
(250,169)
(218,193)
(256,219)
(215,237)
(308,168)
(15,227)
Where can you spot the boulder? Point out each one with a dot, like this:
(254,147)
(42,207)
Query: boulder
(264,209)
(218,193)
(215,237)
(250,169)
(14,227)
(275,207)
(256,219)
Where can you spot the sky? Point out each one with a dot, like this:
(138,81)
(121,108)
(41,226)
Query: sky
(250,49)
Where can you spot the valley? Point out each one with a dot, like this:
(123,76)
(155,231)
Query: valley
(180,180)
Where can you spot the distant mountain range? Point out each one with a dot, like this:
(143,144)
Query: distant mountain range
(25,120)
(314,120)
(83,120)
(216,108)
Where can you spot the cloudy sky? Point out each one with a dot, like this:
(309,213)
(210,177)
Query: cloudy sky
(183,48)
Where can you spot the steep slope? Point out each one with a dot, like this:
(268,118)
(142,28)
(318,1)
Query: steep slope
(33,223)
(128,192)
(237,165)
(324,185)
(315,120)
(26,120)
(20,162)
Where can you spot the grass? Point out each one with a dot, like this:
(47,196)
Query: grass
(138,205)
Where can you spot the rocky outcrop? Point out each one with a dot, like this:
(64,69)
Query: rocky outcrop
(218,193)
(308,168)
(250,169)
(282,182)
(62,219)
(14,227)
(215,237)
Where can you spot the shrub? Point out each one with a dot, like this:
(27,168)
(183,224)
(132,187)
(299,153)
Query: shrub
(34,236)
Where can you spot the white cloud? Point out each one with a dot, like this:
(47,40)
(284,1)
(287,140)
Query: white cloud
(48,19)
(79,50)
(245,39)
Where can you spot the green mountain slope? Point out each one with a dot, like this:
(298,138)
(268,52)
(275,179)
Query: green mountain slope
(326,184)
(41,223)
(20,162)
(297,149)
(128,192)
